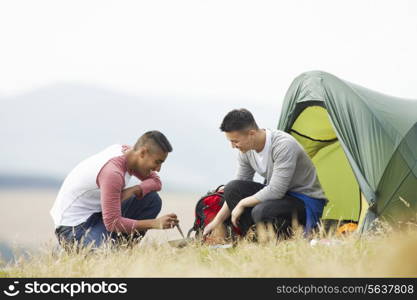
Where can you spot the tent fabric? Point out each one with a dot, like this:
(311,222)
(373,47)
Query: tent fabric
(377,138)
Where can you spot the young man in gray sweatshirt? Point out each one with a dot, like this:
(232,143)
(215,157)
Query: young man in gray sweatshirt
(291,188)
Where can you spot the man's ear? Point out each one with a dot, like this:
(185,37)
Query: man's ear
(252,132)
(142,152)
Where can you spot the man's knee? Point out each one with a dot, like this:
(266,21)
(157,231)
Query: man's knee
(259,213)
(155,201)
(233,185)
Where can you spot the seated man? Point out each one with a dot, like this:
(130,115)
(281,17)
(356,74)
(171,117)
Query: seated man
(93,205)
(292,187)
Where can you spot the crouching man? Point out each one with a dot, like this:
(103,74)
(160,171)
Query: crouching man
(93,205)
(292,188)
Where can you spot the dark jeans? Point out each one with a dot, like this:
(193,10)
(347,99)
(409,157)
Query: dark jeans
(93,231)
(279,212)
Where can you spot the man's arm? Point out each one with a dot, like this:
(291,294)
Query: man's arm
(133,190)
(148,184)
(223,213)
(163,222)
(221,216)
(240,207)
(285,162)
(244,169)
(152,183)
(111,181)
(249,201)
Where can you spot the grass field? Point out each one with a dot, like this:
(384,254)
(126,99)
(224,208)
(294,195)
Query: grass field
(387,253)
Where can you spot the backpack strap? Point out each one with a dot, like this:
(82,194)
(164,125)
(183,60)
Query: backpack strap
(190,231)
(218,188)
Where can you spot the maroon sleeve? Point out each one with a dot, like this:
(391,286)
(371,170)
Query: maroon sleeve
(111,182)
(150,184)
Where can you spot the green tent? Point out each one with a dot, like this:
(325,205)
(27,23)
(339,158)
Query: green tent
(363,144)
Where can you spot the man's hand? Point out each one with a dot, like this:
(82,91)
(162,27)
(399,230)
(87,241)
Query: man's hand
(138,192)
(209,228)
(236,213)
(240,207)
(129,192)
(166,221)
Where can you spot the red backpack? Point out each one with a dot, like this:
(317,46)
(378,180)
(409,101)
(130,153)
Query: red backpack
(206,209)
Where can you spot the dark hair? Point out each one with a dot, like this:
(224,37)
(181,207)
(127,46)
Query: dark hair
(154,138)
(238,119)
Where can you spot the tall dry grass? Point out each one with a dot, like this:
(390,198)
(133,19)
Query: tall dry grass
(386,253)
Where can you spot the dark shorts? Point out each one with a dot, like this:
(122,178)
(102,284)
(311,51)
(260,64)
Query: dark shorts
(279,212)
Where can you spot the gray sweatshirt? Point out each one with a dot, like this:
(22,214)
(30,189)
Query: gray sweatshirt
(288,169)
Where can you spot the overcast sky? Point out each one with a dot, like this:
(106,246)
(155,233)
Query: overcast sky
(60,60)
(237,49)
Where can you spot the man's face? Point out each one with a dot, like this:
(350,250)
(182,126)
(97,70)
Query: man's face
(242,140)
(148,161)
